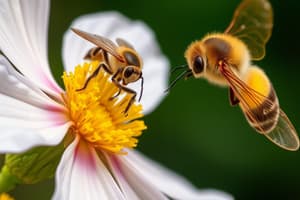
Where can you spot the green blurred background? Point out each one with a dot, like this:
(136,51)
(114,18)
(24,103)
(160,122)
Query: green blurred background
(195,131)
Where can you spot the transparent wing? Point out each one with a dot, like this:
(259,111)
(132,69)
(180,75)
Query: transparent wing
(102,42)
(124,43)
(284,134)
(252,23)
(247,97)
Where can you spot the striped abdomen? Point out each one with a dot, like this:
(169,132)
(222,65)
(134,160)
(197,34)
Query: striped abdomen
(262,110)
(97,53)
(264,117)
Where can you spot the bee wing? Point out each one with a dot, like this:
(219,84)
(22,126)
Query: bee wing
(252,23)
(124,43)
(284,133)
(102,42)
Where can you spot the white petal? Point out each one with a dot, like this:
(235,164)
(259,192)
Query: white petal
(154,84)
(23,39)
(132,182)
(18,139)
(27,116)
(166,181)
(113,25)
(14,85)
(126,188)
(82,175)
(18,114)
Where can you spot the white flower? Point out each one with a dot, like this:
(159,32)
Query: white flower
(35,111)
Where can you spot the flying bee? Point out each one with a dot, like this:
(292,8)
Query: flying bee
(122,62)
(225,59)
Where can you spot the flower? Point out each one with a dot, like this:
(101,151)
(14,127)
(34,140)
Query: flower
(98,161)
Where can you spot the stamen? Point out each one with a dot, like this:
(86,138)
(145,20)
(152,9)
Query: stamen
(97,117)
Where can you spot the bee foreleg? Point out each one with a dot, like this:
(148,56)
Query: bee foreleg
(132,98)
(94,74)
(232,98)
(113,78)
(116,95)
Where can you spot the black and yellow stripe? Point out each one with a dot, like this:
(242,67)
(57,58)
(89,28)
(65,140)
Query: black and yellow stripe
(265,117)
(263,108)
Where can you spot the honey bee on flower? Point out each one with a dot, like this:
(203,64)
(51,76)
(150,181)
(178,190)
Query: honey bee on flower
(96,138)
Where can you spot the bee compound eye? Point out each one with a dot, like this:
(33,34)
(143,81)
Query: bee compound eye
(128,72)
(131,58)
(198,65)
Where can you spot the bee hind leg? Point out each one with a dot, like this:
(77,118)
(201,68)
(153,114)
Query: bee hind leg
(233,100)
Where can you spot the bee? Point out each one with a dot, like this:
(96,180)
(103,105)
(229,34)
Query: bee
(122,62)
(225,58)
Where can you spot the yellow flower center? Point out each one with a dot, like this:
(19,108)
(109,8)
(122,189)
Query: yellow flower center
(4,196)
(98,115)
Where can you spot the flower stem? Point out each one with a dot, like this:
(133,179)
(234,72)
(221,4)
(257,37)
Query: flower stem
(7,180)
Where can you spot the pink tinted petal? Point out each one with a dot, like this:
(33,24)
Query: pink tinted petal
(82,175)
(23,39)
(113,25)
(133,181)
(166,181)
(28,117)
(18,139)
(17,113)
(14,85)
(124,185)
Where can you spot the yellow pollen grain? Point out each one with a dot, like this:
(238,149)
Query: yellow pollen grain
(5,196)
(97,117)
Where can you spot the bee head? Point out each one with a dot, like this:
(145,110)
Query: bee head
(131,74)
(196,59)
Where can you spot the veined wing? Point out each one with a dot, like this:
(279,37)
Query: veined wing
(252,23)
(122,42)
(102,42)
(283,134)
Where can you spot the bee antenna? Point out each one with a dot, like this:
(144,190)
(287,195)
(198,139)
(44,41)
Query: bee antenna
(180,76)
(178,67)
(142,88)
(188,74)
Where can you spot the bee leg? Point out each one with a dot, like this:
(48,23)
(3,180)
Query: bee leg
(132,98)
(232,98)
(116,95)
(113,78)
(94,74)
(126,89)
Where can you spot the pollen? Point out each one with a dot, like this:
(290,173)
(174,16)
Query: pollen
(98,113)
(5,196)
